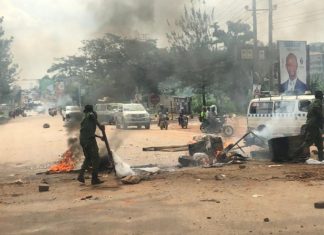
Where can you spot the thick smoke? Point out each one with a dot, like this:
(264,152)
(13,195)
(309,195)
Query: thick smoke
(136,18)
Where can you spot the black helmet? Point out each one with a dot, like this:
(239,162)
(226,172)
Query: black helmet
(319,95)
(88,108)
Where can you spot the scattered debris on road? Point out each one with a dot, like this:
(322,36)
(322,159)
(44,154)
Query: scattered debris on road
(43,187)
(319,205)
(131,179)
(86,197)
(19,182)
(46,125)
(210,200)
(220,177)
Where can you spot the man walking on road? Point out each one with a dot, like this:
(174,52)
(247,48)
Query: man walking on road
(314,124)
(89,144)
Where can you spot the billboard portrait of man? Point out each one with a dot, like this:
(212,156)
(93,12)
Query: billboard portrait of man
(293,67)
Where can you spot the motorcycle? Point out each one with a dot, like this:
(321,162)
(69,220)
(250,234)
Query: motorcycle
(163,121)
(218,125)
(183,121)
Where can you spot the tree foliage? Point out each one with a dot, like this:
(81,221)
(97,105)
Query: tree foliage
(194,49)
(206,57)
(116,67)
(8,70)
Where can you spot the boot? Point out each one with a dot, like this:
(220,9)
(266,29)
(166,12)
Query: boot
(95,180)
(81,177)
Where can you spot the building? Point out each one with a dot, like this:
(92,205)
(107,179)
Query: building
(316,65)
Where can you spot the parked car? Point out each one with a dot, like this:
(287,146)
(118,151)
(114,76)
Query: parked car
(71,113)
(106,112)
(132,115)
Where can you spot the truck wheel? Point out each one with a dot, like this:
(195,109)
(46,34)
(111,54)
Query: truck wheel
(147,126)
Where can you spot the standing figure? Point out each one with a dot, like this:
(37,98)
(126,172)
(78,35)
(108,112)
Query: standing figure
(89,144)
(314,124)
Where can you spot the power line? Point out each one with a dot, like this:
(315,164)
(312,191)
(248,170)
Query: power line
(304,14)
(288,3)
(299,23)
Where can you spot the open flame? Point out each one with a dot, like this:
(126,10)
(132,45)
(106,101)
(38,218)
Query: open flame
(70,158)
(66,164)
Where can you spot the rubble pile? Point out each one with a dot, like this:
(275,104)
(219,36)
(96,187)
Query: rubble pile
(209,151)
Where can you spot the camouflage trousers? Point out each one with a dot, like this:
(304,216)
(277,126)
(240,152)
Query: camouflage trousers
(91,157)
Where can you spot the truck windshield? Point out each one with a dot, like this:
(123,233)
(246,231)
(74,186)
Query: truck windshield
(133,107)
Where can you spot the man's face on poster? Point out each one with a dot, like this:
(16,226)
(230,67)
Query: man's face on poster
(291,66)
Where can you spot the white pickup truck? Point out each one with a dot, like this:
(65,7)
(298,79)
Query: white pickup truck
(71,113)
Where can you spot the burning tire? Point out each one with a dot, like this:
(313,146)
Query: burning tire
(228,131)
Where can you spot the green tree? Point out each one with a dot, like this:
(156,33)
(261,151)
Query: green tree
(8,70)
(116,67)
(238,78)
(197,61)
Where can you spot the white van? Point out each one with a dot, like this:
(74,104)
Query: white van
(278,115)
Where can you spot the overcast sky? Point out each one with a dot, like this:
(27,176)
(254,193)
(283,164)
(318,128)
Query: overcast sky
(48,29)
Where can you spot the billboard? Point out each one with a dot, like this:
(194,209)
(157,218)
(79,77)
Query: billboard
(293,66)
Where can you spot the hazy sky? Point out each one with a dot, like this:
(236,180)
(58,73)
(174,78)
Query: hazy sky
(48,29)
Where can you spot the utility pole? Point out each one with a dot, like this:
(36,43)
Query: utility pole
(270,22)
(270,47)
(255,38)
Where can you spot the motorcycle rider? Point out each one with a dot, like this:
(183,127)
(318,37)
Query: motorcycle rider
(162,112)
(212,116)
(182,119)
(207,113)
(202,117)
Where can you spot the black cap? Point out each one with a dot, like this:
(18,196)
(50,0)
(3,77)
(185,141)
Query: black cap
(88,108)
(319,95)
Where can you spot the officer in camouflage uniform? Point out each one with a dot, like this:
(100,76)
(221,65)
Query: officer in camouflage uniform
(314,124)
(89,144)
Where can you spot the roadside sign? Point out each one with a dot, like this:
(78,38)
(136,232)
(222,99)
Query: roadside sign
(155,99)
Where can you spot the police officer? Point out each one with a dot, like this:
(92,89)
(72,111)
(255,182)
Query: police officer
(314,124)
(89,144)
